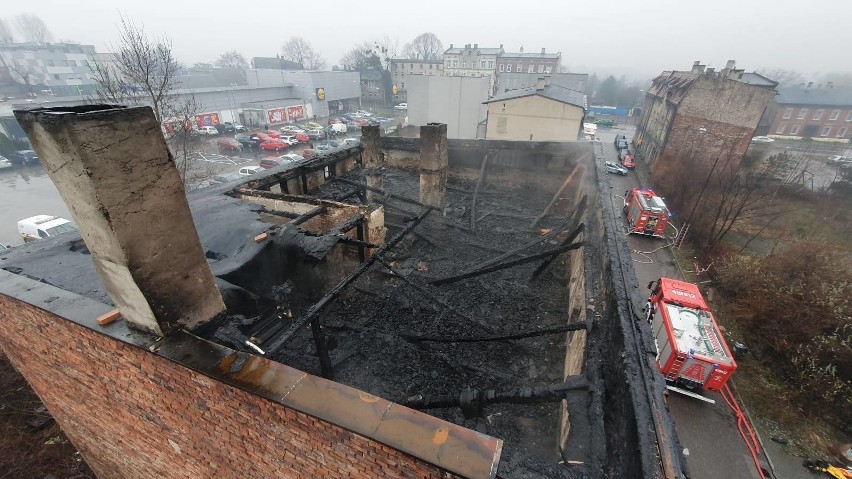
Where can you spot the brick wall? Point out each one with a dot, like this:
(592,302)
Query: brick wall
(134,414)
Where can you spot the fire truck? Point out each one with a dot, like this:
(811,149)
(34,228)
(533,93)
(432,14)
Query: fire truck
(691,352)
(646,212)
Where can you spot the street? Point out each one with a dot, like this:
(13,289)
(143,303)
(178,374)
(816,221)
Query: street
(708,432)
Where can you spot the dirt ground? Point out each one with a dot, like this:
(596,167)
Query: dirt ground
(33,445)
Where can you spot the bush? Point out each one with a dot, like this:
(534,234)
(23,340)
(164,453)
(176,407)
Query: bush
(795,307)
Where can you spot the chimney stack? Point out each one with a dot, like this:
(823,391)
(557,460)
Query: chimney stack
(113,169)
(475,46)
(697,67)
(501,46)
(451,45)
(522,49)
(540,83)
(542,51)
(810,84)
(433,164)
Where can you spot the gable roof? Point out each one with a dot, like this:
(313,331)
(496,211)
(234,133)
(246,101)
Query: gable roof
(482,51)
(815,96)
(553,92)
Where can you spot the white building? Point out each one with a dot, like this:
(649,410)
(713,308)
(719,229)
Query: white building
(456,101)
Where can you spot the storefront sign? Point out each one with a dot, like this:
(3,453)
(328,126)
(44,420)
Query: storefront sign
(207,119)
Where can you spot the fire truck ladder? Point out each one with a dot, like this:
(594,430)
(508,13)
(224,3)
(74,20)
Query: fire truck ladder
(675,369)
(681,235)
(714,341)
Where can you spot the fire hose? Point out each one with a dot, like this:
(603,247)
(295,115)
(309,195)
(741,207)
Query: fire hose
(742,424)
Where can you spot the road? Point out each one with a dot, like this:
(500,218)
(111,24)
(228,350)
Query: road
(707,431)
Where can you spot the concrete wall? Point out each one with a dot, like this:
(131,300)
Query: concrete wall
(455,101)
(341,85)
(533,118)
(196,409)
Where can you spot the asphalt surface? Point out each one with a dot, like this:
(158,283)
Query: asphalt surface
(708,432)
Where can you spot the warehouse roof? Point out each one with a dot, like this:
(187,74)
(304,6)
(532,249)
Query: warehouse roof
(553,92)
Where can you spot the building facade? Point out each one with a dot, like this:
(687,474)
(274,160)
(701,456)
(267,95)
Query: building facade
(403,68)
(472,61)
(541,113)
(823,114)
(456,101)
(701,113)
(523,69)
(60,69)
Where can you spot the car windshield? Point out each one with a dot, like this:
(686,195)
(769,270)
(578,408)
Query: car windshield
(61,228)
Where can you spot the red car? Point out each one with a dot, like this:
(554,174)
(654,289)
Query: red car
(361,121)
(332,121)
(272,133)
(302,138)
(627,161)
(309,153)
(274,144)
(269,163)
(229,144)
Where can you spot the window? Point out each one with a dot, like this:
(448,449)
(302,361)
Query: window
(531,69)
(548,69)
(841,132)
(56,77)
(490,64)
(464,64)
(794,130)
(481,63)
(818,114)
(825,131)
(788,113)
(448,64)
(834,115)
(502,67)
(410,66)
(403,85)
(802,113)
(509,68)
(781,128)
(541,68)
(431,66)
(520,68)
(420,66)
(849,116)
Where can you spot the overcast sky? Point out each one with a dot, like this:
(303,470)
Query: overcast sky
(631,37)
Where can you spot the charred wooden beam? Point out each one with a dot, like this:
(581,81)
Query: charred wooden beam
(322,348)
(557,195)
(479,183)
(383,192)
(277,345)
(310,214)
(508,264)
(347,225)
(505,337)
(549,260)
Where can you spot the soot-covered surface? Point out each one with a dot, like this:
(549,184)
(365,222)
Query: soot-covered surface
(377,321)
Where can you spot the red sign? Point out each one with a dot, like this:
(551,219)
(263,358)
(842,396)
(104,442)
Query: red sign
(295,112)
(207,119)
(277,115)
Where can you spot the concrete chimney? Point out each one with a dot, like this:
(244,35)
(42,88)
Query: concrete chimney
(501,46)
(113,169)
(372,155)
(451,45)
(697,67)
(521,50)
(542,51)
(730,65)
(810,84)
(467,46)
(540,83)
(475,46)
(433,164)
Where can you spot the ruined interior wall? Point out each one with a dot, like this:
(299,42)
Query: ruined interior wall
(134,414)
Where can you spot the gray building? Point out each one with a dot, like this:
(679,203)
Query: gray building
(404,68)
(507,81)
(456,101)
(321,92)
(61,69)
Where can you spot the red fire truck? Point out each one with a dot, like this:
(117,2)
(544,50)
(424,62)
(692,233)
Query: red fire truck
(691,352)
(646,212)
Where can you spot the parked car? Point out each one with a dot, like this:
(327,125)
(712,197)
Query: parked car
(272,133)
(237,127)
(627,160)
(291,158)
(208,130)
(248,141)
(43,226)
(762,139)
(363,113)
(839,160)
(274,144)
(291,129)
(289,139)
(332,121)
(351,142)
(321,148)
(5,163)
(23,157)
(225,128)
(316,134)
(361,121)
(249,170)
(224,178)
(330,144)
(615,168)
(351,125)
(302,137)
(229,144)
(338,128)
(401,106)
(269,163)
(620,142)
(313,125)
(622,152)
(309,153)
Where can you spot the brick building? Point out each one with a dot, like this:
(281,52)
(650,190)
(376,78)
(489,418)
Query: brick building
(701,112)
(822,113)
(402,68)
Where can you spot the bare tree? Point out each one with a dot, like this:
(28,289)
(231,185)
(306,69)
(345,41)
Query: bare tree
(185,145)
(358,57)
(426,46)
(144,72)
(32,28)
(6,35)
(299,50)
(232,59)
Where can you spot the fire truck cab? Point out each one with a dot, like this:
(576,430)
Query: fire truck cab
(646,212)
(691,352)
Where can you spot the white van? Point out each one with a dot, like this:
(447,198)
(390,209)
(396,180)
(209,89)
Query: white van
(338,127)
(43,226)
